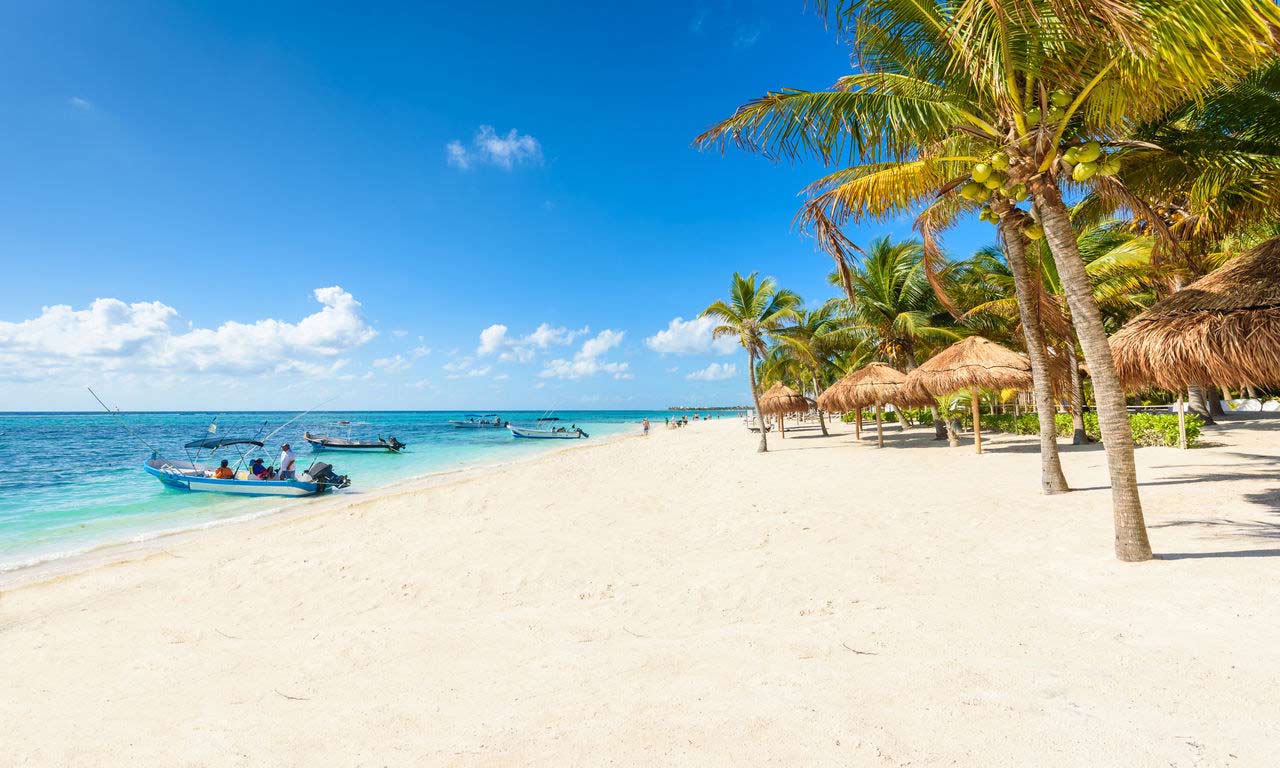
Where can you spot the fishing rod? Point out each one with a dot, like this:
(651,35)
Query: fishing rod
(295,418)
(123,423)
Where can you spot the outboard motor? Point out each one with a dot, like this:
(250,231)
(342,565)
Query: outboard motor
(395,444)
(323,475)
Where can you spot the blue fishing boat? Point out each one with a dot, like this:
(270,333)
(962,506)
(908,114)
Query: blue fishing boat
(192,475)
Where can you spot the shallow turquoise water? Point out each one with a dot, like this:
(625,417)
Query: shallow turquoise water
(73,481)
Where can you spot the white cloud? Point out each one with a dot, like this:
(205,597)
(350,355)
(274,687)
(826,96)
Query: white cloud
(114,337)
(465,367)
(420,351)
(587,361)
(714,372)
(394,364)
(691,337)
(399,333)
(673,369)
(492,339)
(489,148)
(81,104)
(495,338)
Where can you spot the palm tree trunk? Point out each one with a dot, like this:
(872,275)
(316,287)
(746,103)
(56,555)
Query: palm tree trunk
(1131,543)
(857,425)
(1028,292)
(879,428)
(1215,401)
(977,421)
(755,396)
(1078,436)
(939,425)
(821,423)
(1199,403)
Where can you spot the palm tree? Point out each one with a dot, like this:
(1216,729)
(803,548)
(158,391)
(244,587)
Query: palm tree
(959,102)
(816,335)
(753,312)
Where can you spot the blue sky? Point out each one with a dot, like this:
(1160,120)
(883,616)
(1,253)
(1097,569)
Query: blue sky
(235,205)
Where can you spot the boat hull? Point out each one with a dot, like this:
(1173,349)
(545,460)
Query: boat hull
(325,444)
(543,434)
(186,476)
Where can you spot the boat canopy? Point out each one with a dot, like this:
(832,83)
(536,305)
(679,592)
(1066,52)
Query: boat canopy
(222,442)
(479,415)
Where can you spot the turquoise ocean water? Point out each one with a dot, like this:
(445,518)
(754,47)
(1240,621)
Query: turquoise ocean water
(70,482)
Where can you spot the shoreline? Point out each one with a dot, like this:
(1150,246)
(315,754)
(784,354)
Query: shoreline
(148,544)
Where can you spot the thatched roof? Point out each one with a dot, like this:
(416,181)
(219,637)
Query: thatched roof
(1221,329)
(876,383)
(781,399)
(829,400)
(969,363)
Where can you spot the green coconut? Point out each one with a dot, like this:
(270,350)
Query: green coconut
(1084,171)
(1109,167)
(981,172)
(1034,231)
(1033,117)
(1000,161)
(1019,193)
(971,190)
(1059,99)
(1089,152)
(1056,114)
(993,182)
(1072,155)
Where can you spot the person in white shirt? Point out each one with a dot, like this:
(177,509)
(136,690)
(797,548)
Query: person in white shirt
(286,462)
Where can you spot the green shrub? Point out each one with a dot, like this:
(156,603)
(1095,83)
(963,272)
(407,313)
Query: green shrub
(920,416)
(1148,428)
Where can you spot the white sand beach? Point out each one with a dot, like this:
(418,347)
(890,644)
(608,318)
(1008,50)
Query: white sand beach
(682,600)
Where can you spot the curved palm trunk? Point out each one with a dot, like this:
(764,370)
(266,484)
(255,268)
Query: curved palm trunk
(821,422)
(1216,395)
(755,397)
(1028,292)
(1131,543)
(939,426)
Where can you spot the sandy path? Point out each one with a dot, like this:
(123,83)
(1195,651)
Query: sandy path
(682,600)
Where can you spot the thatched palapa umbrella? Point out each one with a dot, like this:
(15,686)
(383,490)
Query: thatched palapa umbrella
(1222,329)
(875,384)
(970,365)
(780,400)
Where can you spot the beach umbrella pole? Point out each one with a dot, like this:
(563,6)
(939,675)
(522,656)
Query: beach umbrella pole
(1182,424)
(879,428)
(977,426)
(857,425)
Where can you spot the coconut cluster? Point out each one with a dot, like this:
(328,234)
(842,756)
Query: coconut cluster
(988,178)
(1058,102)
(1088,160)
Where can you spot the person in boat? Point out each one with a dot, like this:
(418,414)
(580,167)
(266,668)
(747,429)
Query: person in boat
(259,469)
(287,461)
(223,472)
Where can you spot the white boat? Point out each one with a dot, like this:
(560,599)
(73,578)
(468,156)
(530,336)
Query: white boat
(559,433)
(478,421)
(194,476)
(328,443)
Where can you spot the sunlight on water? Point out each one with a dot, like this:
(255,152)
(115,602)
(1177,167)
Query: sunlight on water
(72,481)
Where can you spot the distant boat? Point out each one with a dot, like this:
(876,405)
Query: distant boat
(327,443)
(559,433)
(194,476)
(477,421)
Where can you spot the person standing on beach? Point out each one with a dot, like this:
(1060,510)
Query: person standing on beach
(286,462)
(646,426)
